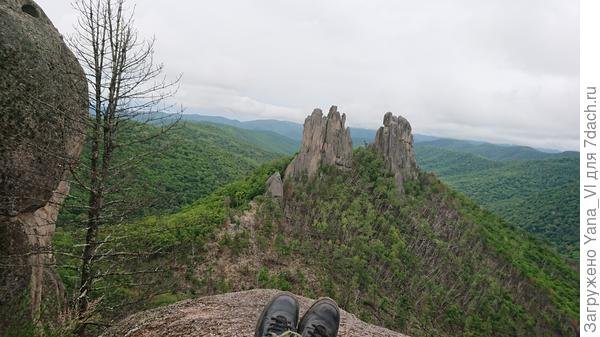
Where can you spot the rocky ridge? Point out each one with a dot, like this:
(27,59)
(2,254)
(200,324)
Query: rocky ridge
(418,228)
(231,314)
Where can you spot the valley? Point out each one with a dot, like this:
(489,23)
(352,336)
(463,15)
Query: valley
(124,212)
(423,261)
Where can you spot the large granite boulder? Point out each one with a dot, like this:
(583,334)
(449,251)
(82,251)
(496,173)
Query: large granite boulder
(394,141)
(43,97)
(43,104)
(325,142)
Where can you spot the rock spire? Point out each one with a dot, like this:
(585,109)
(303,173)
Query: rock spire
(394,141)
(325,142)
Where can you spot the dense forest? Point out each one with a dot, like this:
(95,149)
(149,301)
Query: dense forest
(185,164)
(496,151)
(358,226)
(540,196)
(429,262)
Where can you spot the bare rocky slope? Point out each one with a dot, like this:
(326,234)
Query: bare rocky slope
(231,314)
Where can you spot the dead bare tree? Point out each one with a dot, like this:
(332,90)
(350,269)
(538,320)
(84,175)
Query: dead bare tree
(128,91)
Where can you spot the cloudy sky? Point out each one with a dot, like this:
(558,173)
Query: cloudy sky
(498,70)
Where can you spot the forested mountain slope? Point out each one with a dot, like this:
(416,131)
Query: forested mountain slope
(288,129)
(496,151)
(426,263)
(540,196)
(197,158)
(388,242)
(185,164)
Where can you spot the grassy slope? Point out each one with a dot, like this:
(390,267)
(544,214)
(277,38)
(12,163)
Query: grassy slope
(538,195)
(430,263)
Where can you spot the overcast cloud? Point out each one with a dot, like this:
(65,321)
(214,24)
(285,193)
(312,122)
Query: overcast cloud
(497,70)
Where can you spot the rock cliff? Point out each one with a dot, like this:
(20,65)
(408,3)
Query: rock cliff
(43,100)
(232,314)
(325,142)
(394,141)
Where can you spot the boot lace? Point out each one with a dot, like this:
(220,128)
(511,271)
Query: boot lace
(278,326)
(317,330)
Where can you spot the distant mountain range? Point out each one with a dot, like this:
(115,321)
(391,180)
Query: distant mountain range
(533,189)
(539,195)
(288,129)
(499,152)
(427,262)
(360,136)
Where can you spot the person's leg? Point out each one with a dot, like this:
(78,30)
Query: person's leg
(279,318)
(321,320)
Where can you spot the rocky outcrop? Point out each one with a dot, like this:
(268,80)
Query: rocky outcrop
(394,141)
(232,314)
(43,103)
(275,186)
(325,142)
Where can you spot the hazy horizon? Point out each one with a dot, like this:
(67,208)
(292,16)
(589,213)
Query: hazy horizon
(234,118)
(499,71)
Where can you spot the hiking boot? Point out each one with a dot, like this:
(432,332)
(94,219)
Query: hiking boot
(279,316)
(321,320)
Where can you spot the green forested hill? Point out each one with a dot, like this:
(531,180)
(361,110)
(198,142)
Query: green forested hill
(199,158)
(428,262)
(287,129)
(540,195)
(187,163)
(495,151)
(195,159)
(263,139)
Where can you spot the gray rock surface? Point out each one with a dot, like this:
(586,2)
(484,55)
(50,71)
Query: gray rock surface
(325,142)
(232,314)
(43,108)
(394,141)
(275,186)
(43,99)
